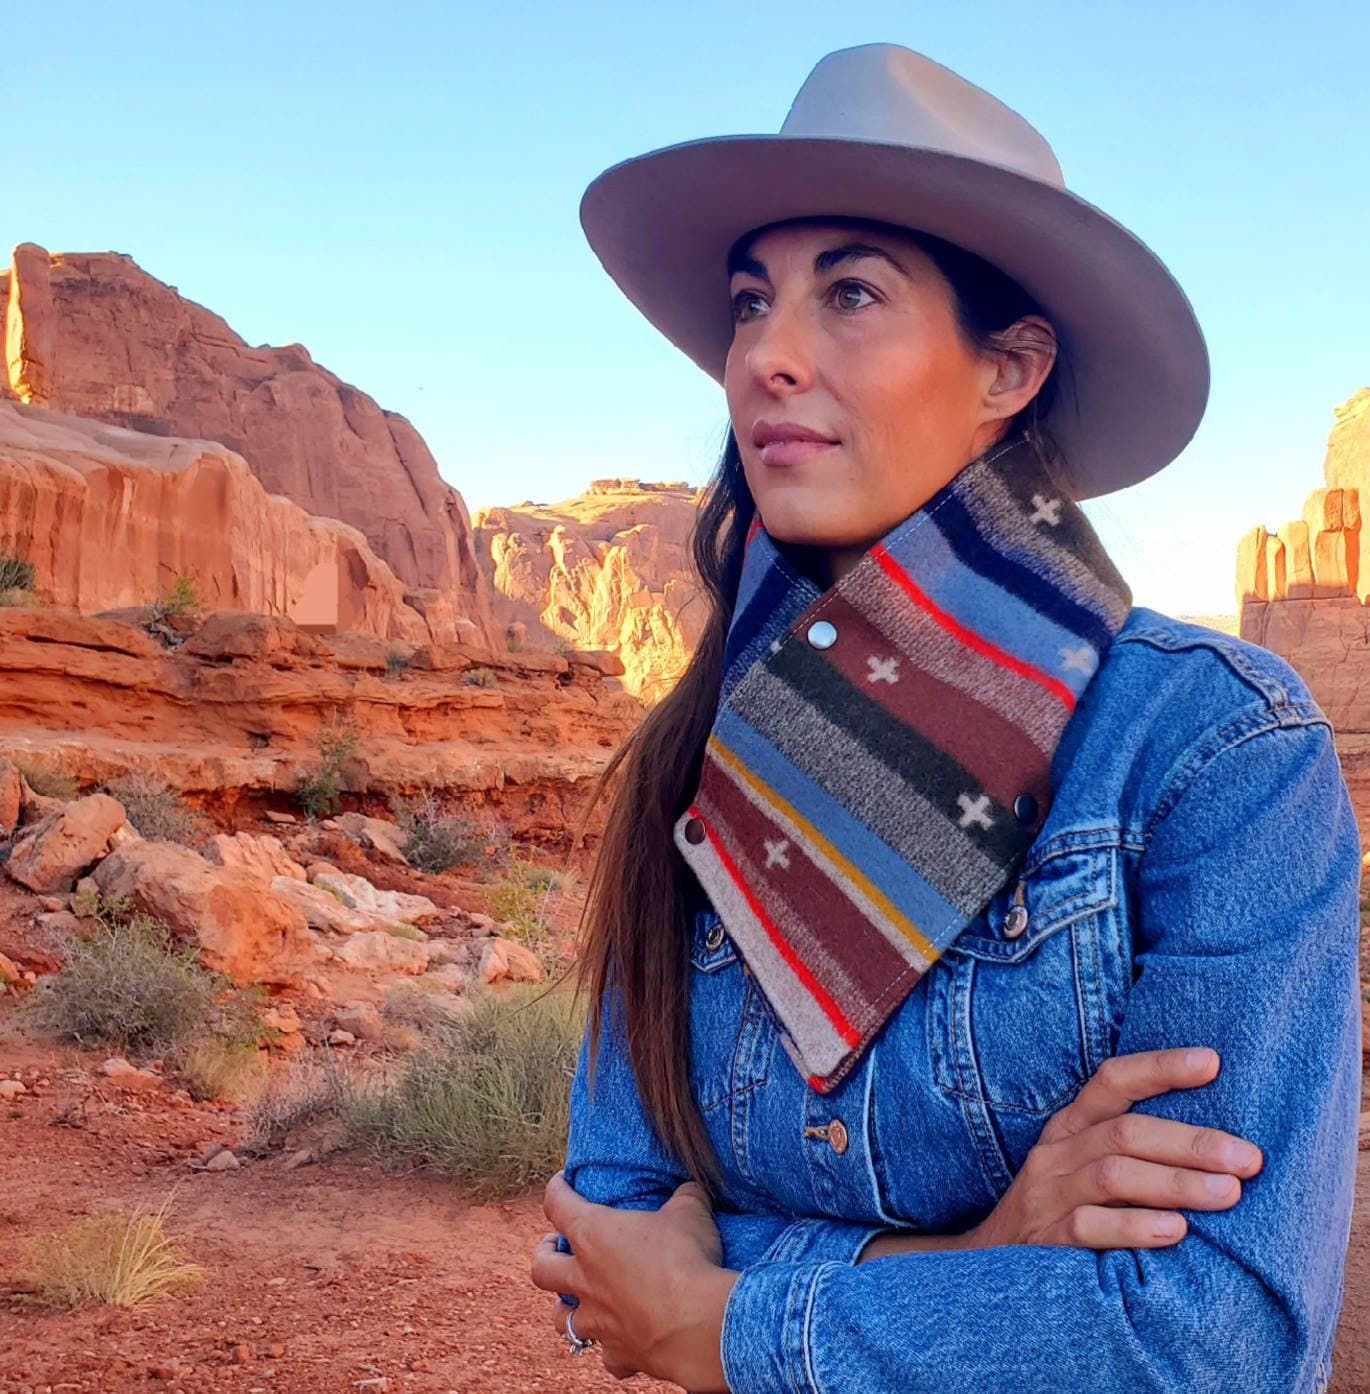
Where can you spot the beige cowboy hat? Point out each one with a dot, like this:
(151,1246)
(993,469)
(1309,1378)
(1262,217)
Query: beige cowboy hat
(879,131)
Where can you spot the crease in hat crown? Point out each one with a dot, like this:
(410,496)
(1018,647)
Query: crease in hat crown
(883,92)
(880,132)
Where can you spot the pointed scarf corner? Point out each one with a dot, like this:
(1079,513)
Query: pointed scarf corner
(880,758)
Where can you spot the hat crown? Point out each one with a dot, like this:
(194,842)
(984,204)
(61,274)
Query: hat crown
(888,93)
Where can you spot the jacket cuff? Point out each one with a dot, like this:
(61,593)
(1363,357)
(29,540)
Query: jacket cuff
(764,1346)
(807,1240)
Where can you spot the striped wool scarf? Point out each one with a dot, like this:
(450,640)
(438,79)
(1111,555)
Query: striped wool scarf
(880,759)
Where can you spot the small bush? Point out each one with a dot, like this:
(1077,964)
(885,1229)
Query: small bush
(312,1086)
(128,985)
(409,931)
(122,1259)
(183,599)
(218,1068)
(157,811)
(16,574)
(481,677)
(396,661)
(435,841)
(486,1101)
(50,783)
(17,599)
(519,904)
(320,794)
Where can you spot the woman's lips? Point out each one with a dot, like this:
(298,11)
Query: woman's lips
(793,452)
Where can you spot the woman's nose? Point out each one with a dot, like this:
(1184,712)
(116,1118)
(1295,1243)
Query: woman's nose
(780,350)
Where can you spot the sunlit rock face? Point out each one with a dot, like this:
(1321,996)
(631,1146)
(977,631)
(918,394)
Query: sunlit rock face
(1302,590)
(608,569)
(94,335)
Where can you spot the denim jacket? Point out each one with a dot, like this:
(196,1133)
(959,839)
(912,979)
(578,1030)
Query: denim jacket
(1196,882)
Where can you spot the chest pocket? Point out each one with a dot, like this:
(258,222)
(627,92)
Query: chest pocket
(1020,1021)
(731,1033)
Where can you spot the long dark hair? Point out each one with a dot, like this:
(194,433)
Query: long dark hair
(641,897)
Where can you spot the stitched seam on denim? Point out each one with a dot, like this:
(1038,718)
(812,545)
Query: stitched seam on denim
(1214,743)
(1233,655)
(813,1386)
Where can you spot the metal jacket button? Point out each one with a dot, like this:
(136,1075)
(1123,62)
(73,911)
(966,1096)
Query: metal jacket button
(694,830)
(714,937)
(1016,921)
(1025,808)
(822,634)
(835,1133)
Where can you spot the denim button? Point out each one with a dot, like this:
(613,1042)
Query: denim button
(837,1136)
(694,830)
(822,634)
(714,937)
(1025,808)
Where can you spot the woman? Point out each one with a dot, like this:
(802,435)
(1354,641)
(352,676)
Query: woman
(972,954)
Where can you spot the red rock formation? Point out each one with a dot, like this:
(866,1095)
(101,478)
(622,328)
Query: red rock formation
(93,335)
(234,714)
(608,570)
(110,517)
(1303,592)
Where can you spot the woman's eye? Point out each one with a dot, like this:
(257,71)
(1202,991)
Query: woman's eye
(849,287)
(739,300)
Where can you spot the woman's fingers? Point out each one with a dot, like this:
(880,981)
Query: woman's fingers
(1168,1142)
(1123,1080)
(555,1271)
(1118,1180)
(1104,1227)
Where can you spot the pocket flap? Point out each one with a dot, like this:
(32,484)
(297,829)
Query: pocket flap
(1059,889)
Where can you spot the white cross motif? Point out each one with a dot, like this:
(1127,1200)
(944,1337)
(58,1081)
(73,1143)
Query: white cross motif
(1079,660)
(882,669)
(777,854)
(775,645)
(974,810)
(1045,510)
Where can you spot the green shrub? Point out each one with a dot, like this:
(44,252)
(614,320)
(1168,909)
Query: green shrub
(516,901)
(435,841)
(157,811)
(396,661)
(183,599)
(320,794)
(486,1101)
(16,574)
(128,985)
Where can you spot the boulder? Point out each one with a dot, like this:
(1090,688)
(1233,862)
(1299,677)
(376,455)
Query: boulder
(322,910)
(243,930)
(505,959)
(387,839)
(386,907)
(261,854)
(59,849)
(383,953)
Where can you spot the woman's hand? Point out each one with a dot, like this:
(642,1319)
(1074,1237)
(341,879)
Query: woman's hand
(1100,1177)
(649,1283)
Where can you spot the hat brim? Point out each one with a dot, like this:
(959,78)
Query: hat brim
(662,224)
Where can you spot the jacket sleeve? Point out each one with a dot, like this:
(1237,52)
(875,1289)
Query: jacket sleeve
(1247,941)
(614,1157)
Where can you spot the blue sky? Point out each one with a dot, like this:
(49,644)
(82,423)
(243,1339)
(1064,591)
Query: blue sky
(397,188)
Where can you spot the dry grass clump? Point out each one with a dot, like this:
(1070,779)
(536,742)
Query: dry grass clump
(486,1102)
(313,1085)
(123,1259)
(157,811)
(49,783)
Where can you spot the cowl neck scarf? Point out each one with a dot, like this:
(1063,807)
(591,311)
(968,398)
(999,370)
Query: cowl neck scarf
(880,758)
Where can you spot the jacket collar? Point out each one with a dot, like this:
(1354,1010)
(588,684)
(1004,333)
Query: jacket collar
(880,757)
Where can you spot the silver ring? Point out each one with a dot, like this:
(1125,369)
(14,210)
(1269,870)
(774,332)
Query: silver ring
(579,1344)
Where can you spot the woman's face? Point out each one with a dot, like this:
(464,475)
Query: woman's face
(851,332)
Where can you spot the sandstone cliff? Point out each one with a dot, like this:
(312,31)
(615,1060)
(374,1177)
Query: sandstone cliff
(1303,590)
(609,570)
(94,335)
(234,715)
(109,518)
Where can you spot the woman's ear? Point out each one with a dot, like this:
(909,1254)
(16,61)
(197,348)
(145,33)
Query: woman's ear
(1023,354)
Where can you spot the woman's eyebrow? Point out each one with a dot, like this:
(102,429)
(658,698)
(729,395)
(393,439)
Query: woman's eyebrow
(824,261)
